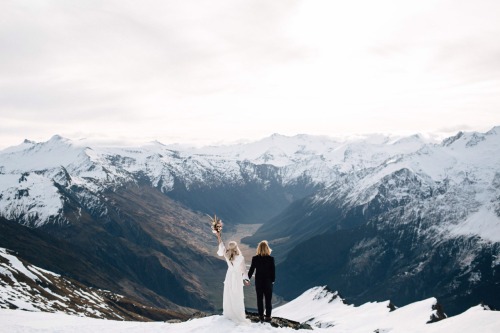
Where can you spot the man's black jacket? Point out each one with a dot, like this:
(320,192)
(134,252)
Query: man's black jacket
(264,267)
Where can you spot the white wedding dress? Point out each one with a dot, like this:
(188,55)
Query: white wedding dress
(233,304)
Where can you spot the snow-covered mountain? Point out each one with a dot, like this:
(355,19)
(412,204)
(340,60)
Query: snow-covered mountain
(454,186)
(459,181)
(30,288)
(317,306)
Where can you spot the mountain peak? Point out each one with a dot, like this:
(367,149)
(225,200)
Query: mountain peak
(448,141)
(494,131)
(157,143)
(57,138)
(409,139)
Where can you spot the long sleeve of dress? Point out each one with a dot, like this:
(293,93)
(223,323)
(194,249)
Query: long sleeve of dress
(222,249)
(243,268)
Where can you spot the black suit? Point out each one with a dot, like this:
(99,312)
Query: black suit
(264,279)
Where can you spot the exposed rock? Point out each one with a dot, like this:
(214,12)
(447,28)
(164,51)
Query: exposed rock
(199,314)
(279,322)
(438,313)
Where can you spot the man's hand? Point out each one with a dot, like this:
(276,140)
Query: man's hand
(246,282)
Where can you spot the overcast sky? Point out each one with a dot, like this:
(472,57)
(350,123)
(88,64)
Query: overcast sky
(206,72)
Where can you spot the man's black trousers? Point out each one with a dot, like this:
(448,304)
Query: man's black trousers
(264,290)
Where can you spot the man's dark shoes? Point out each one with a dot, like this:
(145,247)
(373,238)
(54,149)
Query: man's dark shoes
(267,319)
(261,318)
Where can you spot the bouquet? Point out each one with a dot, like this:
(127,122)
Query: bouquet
(216,224)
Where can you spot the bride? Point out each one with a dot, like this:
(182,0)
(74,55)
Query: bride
(233,304)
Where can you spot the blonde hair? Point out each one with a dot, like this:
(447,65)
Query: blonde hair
(232,250)
(263,249)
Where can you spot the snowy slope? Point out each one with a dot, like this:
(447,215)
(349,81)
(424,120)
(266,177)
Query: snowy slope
(330,311)
(30,288)
(315,303)
(324,309)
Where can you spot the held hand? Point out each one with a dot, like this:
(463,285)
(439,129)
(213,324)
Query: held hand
(246,282)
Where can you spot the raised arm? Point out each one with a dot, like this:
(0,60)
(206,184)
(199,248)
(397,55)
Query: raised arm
(222,248)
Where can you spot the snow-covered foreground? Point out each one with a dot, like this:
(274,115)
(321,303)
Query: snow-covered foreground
(321,309)
(19,321)
(317,306)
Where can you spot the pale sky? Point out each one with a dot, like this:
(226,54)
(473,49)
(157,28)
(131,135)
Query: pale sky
(206,72)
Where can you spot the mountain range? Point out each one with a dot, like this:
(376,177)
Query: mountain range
(377,217)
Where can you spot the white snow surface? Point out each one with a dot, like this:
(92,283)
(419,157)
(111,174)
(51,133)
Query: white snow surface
(484,223)
(313,306)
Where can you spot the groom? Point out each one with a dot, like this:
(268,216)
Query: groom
(263,265)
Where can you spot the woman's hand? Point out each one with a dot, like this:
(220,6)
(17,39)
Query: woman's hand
(246,282)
